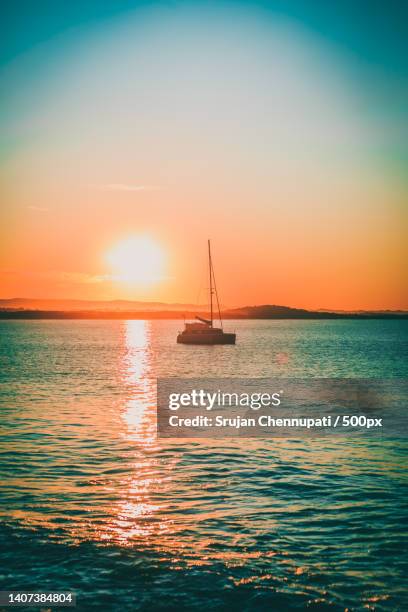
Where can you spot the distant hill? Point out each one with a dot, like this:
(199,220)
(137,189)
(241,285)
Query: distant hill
(20,308)
(88,305)
(272,311)
(269,311)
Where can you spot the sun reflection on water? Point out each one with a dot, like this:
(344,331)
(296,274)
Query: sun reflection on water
(136,515)
(139,412)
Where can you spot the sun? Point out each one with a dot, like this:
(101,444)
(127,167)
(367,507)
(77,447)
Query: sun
(137,260)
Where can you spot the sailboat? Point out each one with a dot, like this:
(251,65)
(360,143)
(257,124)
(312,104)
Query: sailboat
(204,332)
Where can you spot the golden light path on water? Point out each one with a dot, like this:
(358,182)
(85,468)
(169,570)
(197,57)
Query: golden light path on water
(134,514)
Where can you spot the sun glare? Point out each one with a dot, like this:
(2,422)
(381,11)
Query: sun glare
(138,259)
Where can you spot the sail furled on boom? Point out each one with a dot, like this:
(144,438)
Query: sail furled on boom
(206,321)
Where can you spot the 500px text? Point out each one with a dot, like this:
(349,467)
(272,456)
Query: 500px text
(268,421)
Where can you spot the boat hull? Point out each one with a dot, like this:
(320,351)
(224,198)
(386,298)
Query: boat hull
(224,338)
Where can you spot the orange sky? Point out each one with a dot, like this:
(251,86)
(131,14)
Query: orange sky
(267,148)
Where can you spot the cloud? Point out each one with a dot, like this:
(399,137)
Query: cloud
(38,208)
(58,276)
(127,187)
(79,277)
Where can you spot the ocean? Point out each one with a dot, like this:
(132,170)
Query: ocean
(93,502)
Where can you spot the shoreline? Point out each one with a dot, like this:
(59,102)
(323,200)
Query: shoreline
(170,315)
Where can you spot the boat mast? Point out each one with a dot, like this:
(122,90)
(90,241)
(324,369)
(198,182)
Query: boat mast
(211,289)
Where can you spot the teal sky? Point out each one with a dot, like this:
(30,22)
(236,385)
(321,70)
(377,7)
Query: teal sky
(370,38)
(373,31)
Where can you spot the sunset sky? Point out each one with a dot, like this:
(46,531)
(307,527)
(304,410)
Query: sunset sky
(138,130)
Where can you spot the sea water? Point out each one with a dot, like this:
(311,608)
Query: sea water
(95,503)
